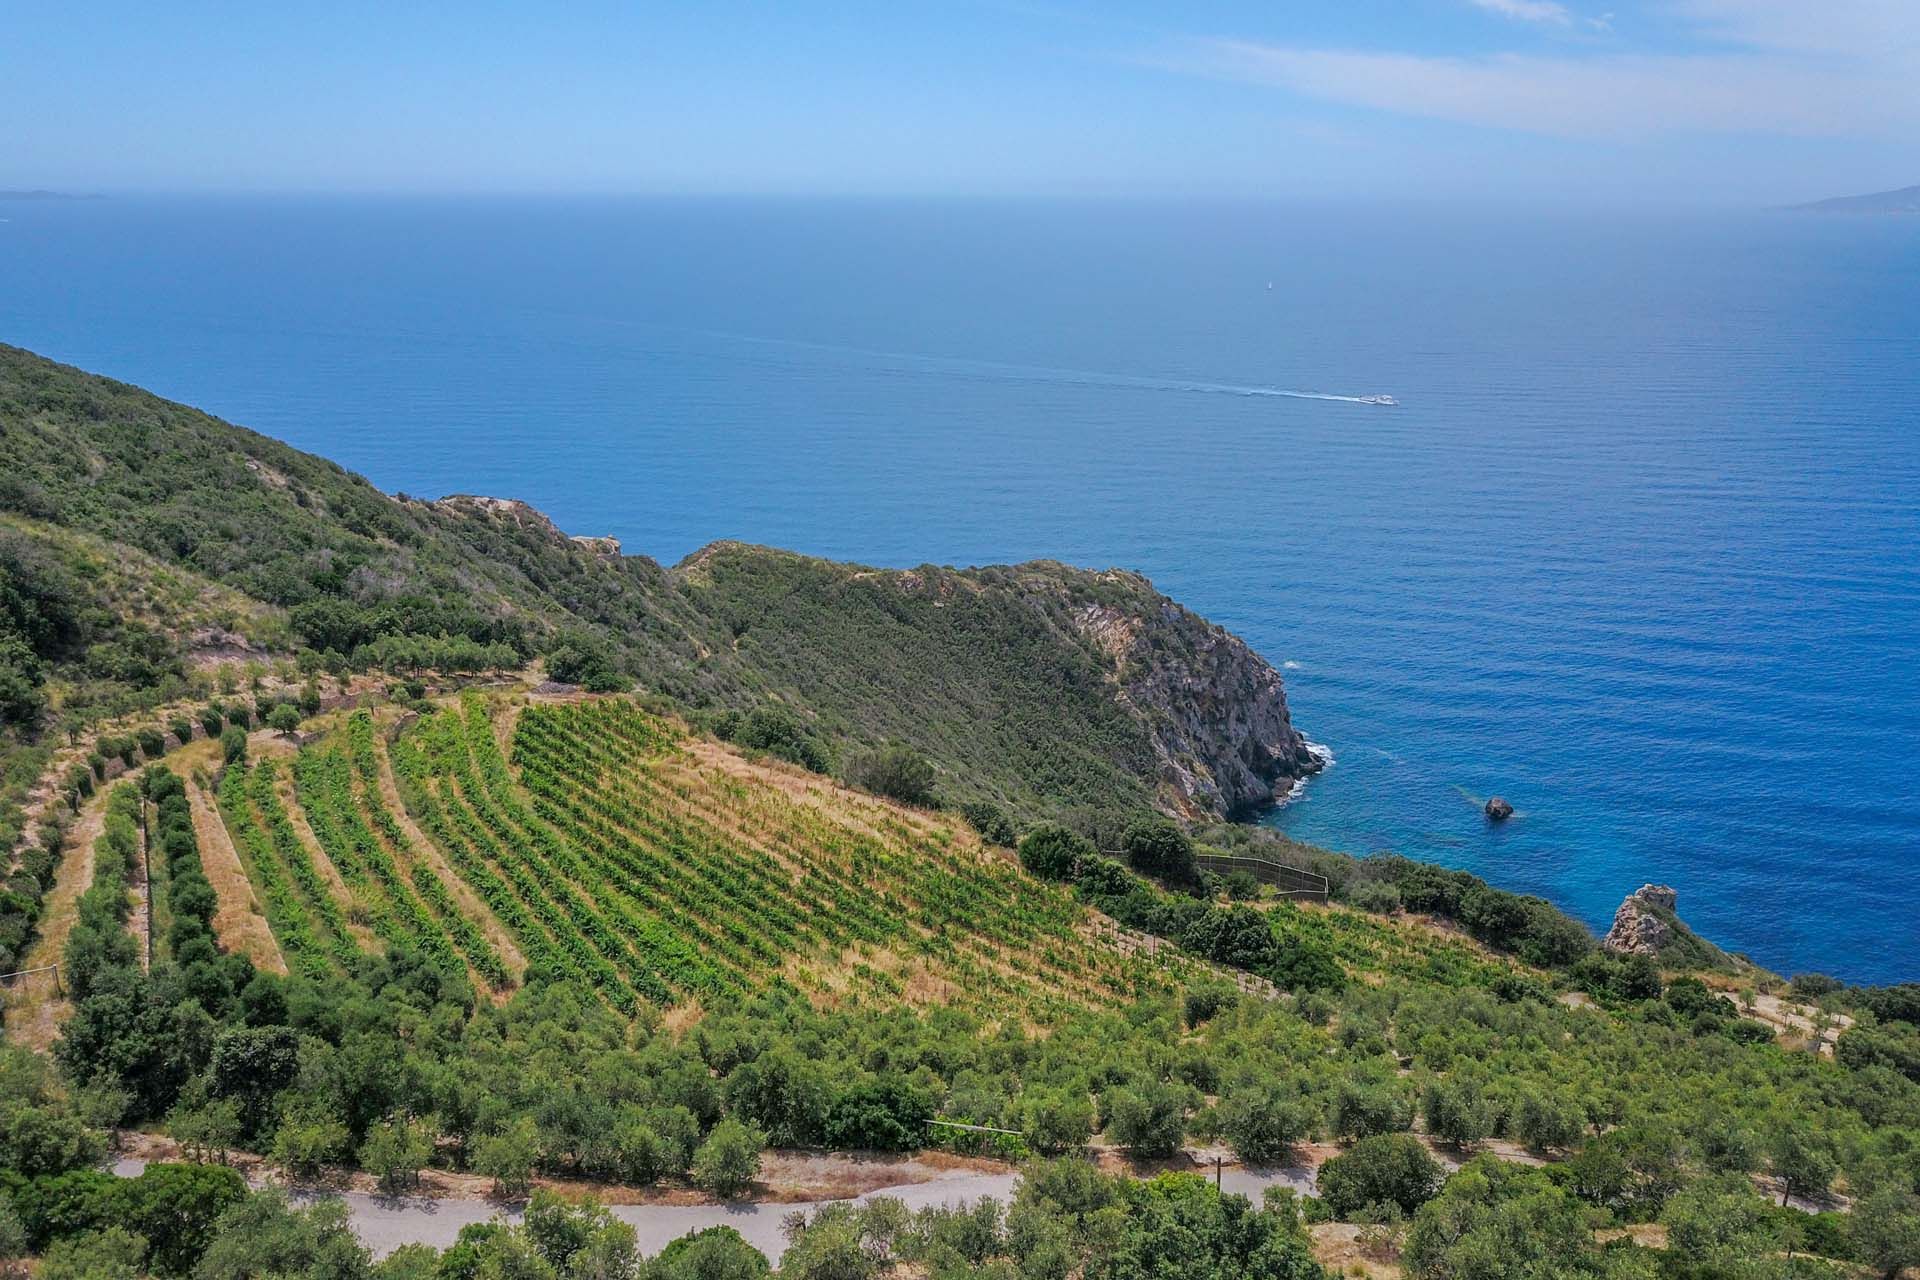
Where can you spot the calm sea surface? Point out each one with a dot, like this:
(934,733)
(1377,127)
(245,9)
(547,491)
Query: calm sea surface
(1639,549)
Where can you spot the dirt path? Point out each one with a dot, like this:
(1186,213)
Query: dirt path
(37,1010)
(138,919)
(238,922)
(425,850)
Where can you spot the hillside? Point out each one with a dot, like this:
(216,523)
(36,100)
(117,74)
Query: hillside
(1055,687)
(524,934)
(335,875)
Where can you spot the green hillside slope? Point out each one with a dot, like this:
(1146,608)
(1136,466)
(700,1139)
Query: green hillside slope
(1039,686)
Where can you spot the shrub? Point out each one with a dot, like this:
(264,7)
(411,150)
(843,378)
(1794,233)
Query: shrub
(778,732)
(1053,853)
(991,821)
(284,719)
(1158,847)
(233,744)
(1376,896)
(896,771)
(1204,1000)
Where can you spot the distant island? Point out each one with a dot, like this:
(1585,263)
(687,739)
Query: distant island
(1905,200)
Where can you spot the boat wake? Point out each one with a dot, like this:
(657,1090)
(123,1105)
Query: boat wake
(1000,371)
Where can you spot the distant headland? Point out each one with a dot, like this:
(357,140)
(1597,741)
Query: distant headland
(1905,200)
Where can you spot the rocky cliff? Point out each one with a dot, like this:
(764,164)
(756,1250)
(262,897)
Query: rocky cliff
(1215,711)
(1648,924)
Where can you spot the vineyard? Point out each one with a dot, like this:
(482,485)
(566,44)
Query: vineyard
(594,842)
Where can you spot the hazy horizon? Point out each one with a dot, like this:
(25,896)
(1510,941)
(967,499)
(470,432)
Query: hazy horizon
(1687,103)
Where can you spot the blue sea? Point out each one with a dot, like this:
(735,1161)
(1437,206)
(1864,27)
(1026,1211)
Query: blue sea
(1638,548)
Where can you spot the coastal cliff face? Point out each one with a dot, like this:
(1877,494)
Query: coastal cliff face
(1062,686)
(1216,711)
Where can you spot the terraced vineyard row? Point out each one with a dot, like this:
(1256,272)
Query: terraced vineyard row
(305,919)
(617,852)
(337,811)
(810,888)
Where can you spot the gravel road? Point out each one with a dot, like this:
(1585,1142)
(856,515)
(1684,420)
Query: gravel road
(385,1223)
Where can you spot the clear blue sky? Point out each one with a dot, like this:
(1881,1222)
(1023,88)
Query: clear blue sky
(1608,100)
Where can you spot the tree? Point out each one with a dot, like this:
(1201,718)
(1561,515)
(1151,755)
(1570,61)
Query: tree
(1052,852)
(1147,1119)
(263,1236)
(1056,1120)
(1718,1222)
(1390,1168)
(578,658)
(580,1241)
(1801,1158)
(396,1150)
(508,1157)
(207,1129)
(1546,1121)
(305,1145)
(1885,1229)
(284,719)
(233,744)
(896,771)
(778,732)
(832,1246)
(1157,847)
(1363,1107)
(718,1253)
(729,1160)
(1455,1112)
(174,1208)
(1499,1221)
(1261,1121)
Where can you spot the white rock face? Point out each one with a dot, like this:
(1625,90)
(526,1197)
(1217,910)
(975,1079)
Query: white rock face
(1638,929)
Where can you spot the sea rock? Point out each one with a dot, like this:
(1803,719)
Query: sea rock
(1498,809)
(1643,925)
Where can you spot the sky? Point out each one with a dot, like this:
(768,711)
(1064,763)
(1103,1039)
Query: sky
(1594,102)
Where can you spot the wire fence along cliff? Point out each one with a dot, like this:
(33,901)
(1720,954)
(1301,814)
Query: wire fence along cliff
(1289,882)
